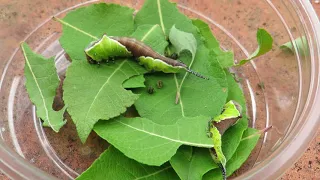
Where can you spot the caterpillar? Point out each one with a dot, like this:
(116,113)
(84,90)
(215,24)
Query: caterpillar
(109,47)
(104,50)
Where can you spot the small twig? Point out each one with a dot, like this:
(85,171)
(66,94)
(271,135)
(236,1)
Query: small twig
(258,133)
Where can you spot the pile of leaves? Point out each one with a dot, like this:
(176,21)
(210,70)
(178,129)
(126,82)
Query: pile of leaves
(168,140)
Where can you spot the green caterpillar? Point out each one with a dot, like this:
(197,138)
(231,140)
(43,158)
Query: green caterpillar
(110,47)
(232,112)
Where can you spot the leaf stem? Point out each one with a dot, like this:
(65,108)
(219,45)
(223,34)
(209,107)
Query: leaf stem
(182,81)
(174,140)
(262,131)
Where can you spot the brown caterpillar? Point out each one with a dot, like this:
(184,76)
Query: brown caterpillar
(110,47)
(138,49)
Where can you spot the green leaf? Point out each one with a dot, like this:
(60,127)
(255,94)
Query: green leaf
(235,92)
(197,95)
(93,92)
(183,153)
(232,137)
(191,163)
(214,174)
(164,13)
(301,45)
(112,164)
(265,42)
(203,28)
(151,143)
(225,58)
(248,142)
(87,24)
(230,141)
(185,167)
(183,41)
(152,36)
(134,82)
(87,115)
(41,84)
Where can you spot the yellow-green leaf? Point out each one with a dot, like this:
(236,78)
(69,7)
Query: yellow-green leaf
(265,42)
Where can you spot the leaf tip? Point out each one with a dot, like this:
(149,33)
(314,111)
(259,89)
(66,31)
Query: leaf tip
(24,46)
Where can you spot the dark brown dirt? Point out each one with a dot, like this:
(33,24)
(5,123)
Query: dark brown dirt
(308,167)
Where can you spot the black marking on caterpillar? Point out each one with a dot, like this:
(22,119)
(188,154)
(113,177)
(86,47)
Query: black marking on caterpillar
(222,168)
(196,74)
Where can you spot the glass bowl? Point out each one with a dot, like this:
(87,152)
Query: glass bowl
(289,100)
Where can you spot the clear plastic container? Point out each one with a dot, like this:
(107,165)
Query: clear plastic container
(290,99)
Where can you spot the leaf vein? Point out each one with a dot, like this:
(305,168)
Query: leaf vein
(160,16)
(75,28)
(167,138)
(149,32)
(100,90)
(38,86)
(152,174)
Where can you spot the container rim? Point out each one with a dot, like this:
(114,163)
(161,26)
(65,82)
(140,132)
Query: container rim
(300,137)
(286,154)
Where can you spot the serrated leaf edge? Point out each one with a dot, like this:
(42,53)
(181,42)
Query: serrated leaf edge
(102,87)
(40,91)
